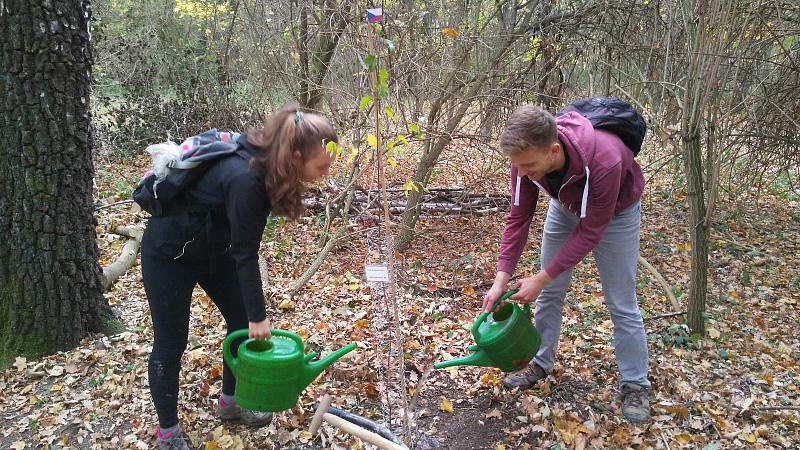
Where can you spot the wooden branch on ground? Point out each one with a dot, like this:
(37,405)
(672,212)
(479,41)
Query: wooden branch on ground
(129,232)
(454,201)
(126,258)
(331,241)
(664,316)
(662,282)
(300,282)
(122,202)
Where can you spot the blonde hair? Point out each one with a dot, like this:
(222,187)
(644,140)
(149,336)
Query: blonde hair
(287,131)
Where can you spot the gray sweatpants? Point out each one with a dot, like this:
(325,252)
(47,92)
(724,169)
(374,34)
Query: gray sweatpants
(616,256)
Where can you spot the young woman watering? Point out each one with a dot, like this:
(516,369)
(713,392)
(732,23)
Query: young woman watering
(210,235)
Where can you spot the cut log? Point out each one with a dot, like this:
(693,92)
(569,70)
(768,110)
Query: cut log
(126,258)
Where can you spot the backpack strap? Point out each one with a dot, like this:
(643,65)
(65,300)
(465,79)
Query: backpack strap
(175,164)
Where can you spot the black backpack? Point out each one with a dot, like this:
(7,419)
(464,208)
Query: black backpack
(614,115)
(176,167)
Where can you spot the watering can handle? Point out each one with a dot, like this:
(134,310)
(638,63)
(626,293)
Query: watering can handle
(226,347)
(289,335)
(483,316)
(244,332)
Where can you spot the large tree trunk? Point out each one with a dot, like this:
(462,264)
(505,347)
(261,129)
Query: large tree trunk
(50,292)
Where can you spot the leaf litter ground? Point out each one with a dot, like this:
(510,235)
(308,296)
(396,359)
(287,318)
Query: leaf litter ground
(737,388)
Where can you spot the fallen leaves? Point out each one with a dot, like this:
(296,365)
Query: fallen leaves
(446,405)
(286,305)
(370,390)
(20,363)
(452,33)
(495,413)
(750,359)
(221,439)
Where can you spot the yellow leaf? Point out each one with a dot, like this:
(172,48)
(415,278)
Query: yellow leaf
(19,445)
(679,410)
(372,141)
(451,32)
(446,405)
(392,162)
(409,186)
(211,445)
(333,149)
(490,378)
(352,287)
(362,323)
(499,447)
(683,438)
(286,304)
(57,387)
(305,436)
(749,437)
(468,291)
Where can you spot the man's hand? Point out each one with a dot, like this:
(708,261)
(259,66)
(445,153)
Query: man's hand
(260,330)
(499,287)
(530,288)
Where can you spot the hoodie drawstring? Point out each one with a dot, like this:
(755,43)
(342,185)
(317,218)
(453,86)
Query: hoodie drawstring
(585,193)
(584,198)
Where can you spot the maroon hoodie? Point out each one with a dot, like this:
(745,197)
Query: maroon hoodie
(602,179)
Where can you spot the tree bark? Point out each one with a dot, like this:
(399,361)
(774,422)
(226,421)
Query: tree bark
(50,291)
(698,230)
(315,62)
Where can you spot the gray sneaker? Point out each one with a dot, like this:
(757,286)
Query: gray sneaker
(237,414)
(176,441)
(635,405)
(525,378)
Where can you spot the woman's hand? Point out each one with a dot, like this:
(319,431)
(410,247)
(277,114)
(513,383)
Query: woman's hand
(260,330)
(499,287)
(530,288)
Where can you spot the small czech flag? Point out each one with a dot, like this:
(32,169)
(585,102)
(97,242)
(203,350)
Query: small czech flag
(375,15)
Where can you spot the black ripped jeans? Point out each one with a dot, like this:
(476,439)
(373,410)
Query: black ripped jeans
(169,284)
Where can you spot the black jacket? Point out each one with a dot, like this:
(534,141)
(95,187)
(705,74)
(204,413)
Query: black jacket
(224,212)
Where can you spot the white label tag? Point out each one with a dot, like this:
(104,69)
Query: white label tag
(377,272)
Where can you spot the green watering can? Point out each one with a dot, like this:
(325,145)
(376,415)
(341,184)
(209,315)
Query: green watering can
(505,338)
(270,375)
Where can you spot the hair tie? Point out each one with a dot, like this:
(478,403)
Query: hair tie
(298,116)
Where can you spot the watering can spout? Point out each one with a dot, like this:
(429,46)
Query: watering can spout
(479,358)
(313,368)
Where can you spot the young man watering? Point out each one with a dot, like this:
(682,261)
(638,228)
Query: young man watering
(595,187)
